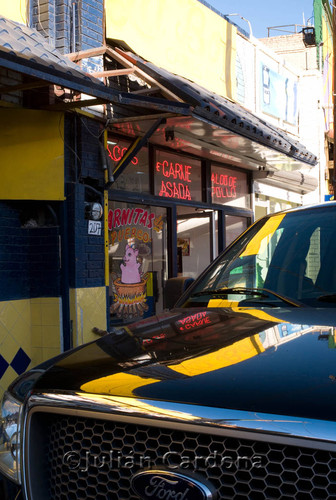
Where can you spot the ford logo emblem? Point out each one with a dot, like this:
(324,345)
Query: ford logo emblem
(153,484)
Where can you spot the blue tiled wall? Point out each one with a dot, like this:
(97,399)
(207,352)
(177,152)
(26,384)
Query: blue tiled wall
(44,262)
(29,260)
(66,23)
(91,24)
(14,246)
(86,256)
(86,252)
(43,18)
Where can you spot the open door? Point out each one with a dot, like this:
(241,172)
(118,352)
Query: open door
(196,240)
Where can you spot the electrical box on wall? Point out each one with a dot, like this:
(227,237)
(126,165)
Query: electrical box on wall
(309,36)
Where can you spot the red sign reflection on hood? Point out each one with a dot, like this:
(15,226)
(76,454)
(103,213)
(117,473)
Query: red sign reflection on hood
(193,321)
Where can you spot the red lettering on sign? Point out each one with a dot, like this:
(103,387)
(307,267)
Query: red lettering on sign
(224,186)
(151,217)
(138,212)
(124,216)
(127,217)
(173,190)
(117,214)
(117,153)
(143,219)
(110,219)
(177,171)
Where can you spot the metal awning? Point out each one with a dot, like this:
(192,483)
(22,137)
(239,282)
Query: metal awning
(28,53)
(220,129)
(221,113)
(189,118)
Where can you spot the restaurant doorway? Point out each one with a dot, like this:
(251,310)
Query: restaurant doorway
(197,240)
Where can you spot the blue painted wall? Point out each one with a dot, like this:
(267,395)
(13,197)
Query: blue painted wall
(69,26)
(84,183)
(29,259)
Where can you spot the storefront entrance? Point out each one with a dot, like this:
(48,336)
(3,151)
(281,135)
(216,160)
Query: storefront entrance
(169,215)
(138,254)
(196,240)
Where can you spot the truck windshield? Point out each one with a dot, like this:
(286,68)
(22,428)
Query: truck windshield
(287,259)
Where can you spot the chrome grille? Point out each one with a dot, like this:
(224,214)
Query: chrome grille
(74,457)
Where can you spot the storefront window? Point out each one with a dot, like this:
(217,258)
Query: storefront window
(135,177)
(177,177)
(229,187)
(137,260)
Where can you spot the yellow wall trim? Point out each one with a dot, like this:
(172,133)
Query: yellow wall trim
(32,155)
(32,326)
(87,310)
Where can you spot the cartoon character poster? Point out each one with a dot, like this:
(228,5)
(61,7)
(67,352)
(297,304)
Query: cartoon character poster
(131,232)
(130,286)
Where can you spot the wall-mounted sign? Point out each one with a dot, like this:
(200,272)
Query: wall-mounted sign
(224,186)
(177,177)
(229,187)
(94,227)
(278,95)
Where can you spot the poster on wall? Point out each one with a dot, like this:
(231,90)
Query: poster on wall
(184,243)
(278,95)
(131,233)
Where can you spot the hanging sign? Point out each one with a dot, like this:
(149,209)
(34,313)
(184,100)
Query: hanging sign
(116,152)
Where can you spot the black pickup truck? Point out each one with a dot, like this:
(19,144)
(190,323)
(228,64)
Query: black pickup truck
(230,394)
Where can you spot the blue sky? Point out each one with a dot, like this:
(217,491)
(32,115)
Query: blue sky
(265,13)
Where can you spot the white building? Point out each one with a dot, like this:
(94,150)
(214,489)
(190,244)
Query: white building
(279,81)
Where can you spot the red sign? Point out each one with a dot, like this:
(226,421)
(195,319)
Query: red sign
(119,218)
(179,177)
(117,153)
(224,186)
(174,170)
(130,216)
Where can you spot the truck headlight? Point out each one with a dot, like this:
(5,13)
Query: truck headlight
(10,437)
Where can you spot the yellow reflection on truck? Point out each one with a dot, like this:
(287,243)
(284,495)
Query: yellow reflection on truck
(124,384)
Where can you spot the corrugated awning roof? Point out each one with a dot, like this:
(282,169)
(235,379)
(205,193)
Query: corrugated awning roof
(27,52)
(227,114)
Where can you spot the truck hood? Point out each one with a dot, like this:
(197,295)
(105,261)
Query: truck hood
(280,361)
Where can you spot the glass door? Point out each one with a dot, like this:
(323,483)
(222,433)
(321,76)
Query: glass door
(138,265)
(196,240)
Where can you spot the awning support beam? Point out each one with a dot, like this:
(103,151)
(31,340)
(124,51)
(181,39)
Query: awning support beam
(84,103)
(132,151)
(8,89)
